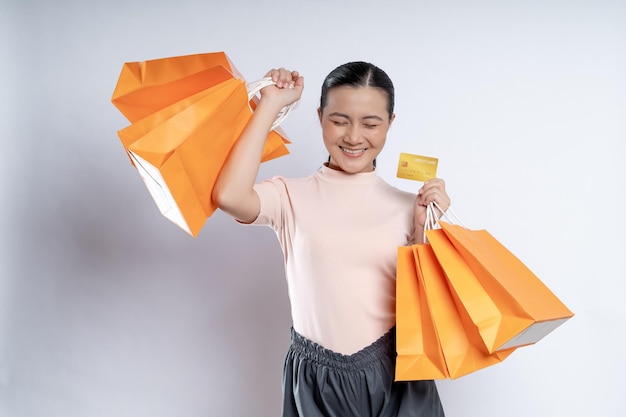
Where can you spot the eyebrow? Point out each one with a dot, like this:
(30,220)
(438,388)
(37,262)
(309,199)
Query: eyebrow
(337,114)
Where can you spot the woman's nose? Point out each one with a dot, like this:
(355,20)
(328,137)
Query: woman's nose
(353,135)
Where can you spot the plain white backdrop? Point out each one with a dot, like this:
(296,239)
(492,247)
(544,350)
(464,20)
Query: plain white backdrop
(108,309)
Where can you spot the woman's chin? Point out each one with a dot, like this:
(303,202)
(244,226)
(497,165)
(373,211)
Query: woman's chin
(353,167)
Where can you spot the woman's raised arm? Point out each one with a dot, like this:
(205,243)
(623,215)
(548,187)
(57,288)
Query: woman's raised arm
(233,191)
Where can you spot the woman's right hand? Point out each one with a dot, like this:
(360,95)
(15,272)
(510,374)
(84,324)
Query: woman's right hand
(287,89)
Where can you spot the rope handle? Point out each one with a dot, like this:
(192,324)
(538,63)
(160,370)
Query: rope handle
(432,218)
(253,89)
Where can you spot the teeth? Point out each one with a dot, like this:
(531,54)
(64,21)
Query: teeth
(353,151)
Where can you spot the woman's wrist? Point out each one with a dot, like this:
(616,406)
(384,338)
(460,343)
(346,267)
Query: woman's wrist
(266,113)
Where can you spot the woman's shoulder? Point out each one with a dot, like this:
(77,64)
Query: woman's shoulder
(395,194)
(395,190)
(287,182)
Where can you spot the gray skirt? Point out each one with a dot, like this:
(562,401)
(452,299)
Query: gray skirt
(318,382)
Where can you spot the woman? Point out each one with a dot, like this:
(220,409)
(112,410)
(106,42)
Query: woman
(339,230)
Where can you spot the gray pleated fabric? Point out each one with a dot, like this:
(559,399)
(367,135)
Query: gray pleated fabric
(318,382)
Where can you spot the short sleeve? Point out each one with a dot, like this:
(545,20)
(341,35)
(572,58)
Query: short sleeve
(272,197)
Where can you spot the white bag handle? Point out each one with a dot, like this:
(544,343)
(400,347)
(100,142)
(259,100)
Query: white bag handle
(256,86)
(432,218)
(448,214)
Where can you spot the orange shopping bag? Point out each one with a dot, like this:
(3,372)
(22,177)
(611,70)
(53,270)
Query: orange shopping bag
(461,345)
(495,319)
(180,146)
(179,158)
(419,352)
(144,88)
(529,310)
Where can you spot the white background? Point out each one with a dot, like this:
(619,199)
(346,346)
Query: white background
(108,309)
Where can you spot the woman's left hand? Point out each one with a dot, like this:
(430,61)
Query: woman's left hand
(432,190)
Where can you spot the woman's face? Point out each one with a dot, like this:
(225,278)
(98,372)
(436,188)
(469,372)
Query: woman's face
(355,122)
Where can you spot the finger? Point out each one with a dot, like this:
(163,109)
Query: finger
(298,82)
(437,195)
(284,78)
(431,187)
(273,74)
(433,183)
(429,193)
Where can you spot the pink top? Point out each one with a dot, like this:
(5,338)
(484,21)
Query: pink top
(339,235)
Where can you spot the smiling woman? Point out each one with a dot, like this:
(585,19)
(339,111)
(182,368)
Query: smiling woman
(358,98)
(339,230)
(354,125)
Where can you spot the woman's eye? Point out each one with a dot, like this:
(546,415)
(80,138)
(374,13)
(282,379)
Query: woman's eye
(371,126)
(338,123)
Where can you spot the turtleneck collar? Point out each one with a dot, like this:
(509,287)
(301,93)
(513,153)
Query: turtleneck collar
(337,176)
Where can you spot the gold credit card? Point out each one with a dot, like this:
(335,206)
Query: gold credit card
(417,167)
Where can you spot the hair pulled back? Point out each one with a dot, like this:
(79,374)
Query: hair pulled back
(358,74)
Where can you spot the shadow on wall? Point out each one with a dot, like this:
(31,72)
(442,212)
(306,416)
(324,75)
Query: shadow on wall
(110,294)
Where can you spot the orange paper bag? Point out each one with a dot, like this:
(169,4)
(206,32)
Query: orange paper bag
(144,88)
(419,352)
(179,153)
(461,344)
(187,113)
(495,319)
(526,310)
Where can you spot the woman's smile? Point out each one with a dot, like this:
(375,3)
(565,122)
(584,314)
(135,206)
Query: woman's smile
(353,152)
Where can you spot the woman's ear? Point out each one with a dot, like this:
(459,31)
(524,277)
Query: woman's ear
(319,113)
(392,118)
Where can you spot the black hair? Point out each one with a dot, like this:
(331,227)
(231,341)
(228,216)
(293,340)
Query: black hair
(358,74)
